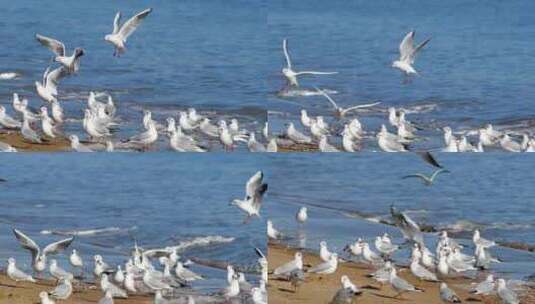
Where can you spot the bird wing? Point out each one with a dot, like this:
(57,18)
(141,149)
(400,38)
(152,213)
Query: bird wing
(57,47)
(315,73)
(429,158)
(259,252)
(368,105)
(320,267)
(418,48)
(253,184)
(116,23)
(328,97)
(283,269)
(58,246)
(27,243)
(286,54)
(53,78)
(406,48)
(257,198)
(401,284)
(437,172)
(417,175)
(131,25)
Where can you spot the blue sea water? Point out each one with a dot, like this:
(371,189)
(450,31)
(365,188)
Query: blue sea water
(158,201)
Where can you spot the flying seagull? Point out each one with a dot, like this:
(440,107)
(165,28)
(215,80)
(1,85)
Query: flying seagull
(254,192)
(72,63)
(428,180)
(290,74)
(407,54)
(341,112)
(121,32)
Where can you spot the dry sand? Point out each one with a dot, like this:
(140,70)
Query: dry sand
(321,288)
(26,293)
(15,139)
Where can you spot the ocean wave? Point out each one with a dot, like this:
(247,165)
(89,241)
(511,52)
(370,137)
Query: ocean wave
(9,75)
(89,232)
(467,225)
(203,241)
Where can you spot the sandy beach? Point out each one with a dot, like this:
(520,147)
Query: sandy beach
(321,288)
(25,293)
(15,139)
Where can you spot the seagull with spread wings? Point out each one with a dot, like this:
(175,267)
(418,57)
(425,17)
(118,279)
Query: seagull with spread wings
(428,180)
(71,63)
(48,89)
(407,54)
(254,192)
(121,32)
(341,112)
(290,74)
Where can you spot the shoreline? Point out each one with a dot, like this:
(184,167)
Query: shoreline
(84,293)
(322,288)
(15,139)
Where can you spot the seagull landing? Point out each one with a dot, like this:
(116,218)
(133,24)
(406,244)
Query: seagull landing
(72,63)
(407,54)
(290,74)
(254,192)
(341,112)
(428,180)
(121,32)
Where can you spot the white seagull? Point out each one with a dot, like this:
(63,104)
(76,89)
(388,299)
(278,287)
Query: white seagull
(121,32)
(407,54)
(72,63)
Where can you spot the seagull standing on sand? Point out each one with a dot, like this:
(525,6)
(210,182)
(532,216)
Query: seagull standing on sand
(295,264)
(57,272)
(506,295)
(38,256)
(121,32)
(290,74)
(16,274)
(47,124)
(76,260)
(63,290)
(7,121)
(448,295)
(327,267)
(407,54)
(400,285)
(71,63)
(485,287)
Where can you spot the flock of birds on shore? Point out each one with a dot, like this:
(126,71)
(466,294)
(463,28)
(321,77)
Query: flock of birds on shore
(447,261)
(170,280)
(193,130)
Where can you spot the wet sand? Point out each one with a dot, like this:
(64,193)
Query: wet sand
(26,293)
(321,288)
(15,139)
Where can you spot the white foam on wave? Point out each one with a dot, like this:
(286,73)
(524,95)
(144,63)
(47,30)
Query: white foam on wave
(89,232)
(9,75)
(203,241)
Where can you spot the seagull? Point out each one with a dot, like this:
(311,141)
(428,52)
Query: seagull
(48,88)
(208,128)
(63,290)
(16,274)
(121,32)
(510,145)
(409,228)
(297,136)
(233,289)
(273,233)
(447,295)
(186,274)
(43,295)
(6,148)
(71,63)
(341,112)
(382,275)
(485,287)
(428,180)
(348,142)
(38,256)
(272,145)
(295,264)
(47,124)
(255,189)
(393,118)
(57,111)
(306,121)
(385,247)
(407,54)
(7,121)
(21,106)
(290,74)
(76,260)
(506,295)
(100,266)
(28,133)
(108,286)
(324,146)
(77,146)
(327,267)
(369,255)
(253,145)
(346,283)
(57,272)
(421,272)
(183,143)
(389,142)
(146,138)
(301,215)
(325,254)
(400,285)
(482,242)
(119,275)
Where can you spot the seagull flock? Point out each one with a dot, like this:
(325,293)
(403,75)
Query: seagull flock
(194,132)
(161,272)
(448,260)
